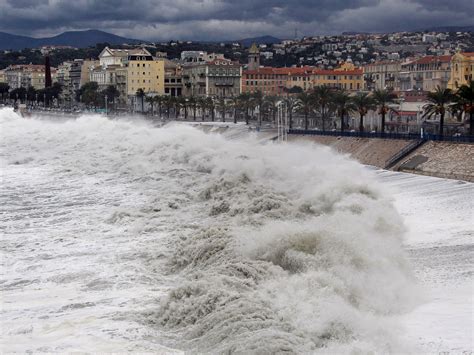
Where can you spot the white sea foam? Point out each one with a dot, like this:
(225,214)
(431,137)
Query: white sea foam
(150,238)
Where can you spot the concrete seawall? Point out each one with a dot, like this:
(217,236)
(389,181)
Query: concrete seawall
(369,151)
(441,159)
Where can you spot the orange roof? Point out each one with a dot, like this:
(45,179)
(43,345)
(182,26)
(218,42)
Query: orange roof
(468,54)
(281,71)
(338,72)
(432,59)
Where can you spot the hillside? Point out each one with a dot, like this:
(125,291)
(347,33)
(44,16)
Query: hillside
(78,39)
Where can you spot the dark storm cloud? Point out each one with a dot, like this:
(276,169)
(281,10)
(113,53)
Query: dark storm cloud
(216,19)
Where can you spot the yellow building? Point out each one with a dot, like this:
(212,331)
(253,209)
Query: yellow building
(3,79)
(347,76)
(146,73)
(462,69)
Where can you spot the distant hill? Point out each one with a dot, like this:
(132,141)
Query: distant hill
(449,29)
(247,42)
(78,39)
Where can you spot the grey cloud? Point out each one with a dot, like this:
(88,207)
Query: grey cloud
(225,19)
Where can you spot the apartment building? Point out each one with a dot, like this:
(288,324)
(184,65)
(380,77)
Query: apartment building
(216,78)
(425,73)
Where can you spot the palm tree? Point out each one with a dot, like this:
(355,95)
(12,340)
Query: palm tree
(291,103)
(258,100)
(211,107)
(246,103)
(222,106)
(383,98)
(235,104)
(362,104)
(180,103)
(193,103)
(439,100)
(141,94)
(344,105)
(323,99)
(150,100)
(305,105)
(159,102)
(169,102)
(271,103)
(465,96)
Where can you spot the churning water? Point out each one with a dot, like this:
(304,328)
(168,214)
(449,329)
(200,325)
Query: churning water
(118,236)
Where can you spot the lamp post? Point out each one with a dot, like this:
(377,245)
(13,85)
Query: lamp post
(44,100)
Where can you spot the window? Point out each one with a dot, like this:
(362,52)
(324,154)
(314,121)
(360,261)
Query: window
(143,66)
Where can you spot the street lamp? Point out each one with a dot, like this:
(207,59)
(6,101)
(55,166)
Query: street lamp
(106,97)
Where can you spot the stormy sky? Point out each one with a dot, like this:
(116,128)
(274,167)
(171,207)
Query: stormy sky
(228,19)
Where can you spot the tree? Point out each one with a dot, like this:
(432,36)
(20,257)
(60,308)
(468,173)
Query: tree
(180,103)
(18,94)
(111,92)
(141,95)
(210,106)
(4,87)
(271,104)
(246,104)
(88,94)
(305,105)
(344,105)
(465,96)
(151,101)
(222,106)
(323,99)
(362,104)
(383,98)
(169,102)
(31,94)
(235,104)
(258,100)
(193,103)
(159,102)
(438,102)
(291,103)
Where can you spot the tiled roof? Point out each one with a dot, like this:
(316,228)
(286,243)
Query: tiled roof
(432,59)
(338,72)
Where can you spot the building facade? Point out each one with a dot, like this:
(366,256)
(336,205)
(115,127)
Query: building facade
(462,70)
(26,75)
(173,78)
(382,75)
(425,73)
(218,78)
(145,73)
(347,77)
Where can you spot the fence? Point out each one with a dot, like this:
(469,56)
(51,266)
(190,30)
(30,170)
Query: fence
(385,135)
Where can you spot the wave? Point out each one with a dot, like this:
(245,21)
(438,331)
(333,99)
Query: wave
(274,247)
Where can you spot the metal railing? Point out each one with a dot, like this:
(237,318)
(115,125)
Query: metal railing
(385,135)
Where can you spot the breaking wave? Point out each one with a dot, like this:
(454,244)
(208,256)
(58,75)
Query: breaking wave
(273,247)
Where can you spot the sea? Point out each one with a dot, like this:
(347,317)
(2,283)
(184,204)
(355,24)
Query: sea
(121,235)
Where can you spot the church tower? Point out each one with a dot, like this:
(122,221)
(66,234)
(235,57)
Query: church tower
(254,57)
